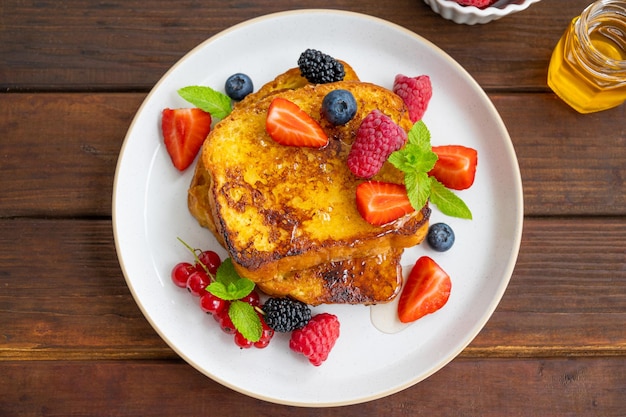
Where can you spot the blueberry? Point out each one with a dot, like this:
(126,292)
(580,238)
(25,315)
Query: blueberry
(238,86)
(440,237)
(339,107)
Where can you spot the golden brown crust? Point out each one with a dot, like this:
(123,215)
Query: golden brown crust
(287,215)
(369,280)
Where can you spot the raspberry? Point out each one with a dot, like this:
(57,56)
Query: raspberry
(477,3)
(285,315)
(319,68)
(317,338)
(377,137)
(416,93)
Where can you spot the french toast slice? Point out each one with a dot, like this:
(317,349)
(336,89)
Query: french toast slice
(283,210)
(372,280)
(367,280)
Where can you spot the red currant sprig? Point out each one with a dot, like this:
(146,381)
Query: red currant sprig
(224,295)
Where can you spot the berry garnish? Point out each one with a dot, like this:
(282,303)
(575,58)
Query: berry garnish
(317,338)
(440,237)
(242,342)
(380,203)
(208,261)
(416,93)
(339,107)
(286,314)
(456,166)
(253,299)
(319,68)
(426,290)
(180,273)
(289,125)
(481,4)
(266,335)
(197,283)
(184,132)
(377,137)
(225,322)
(416,160)
(230,298)
(211,304)
(238,86)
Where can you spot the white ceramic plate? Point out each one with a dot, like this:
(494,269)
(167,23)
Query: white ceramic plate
(150,212)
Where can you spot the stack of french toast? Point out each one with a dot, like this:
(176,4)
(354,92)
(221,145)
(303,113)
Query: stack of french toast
(287,215)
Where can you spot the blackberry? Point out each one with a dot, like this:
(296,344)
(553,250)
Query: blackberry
(285,315)
(320,68)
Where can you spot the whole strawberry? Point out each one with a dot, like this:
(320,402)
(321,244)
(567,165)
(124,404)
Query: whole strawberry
(416,93)
(317,338)
(377,138)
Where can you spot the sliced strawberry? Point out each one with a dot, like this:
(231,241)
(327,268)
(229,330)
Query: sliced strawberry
(380,203)
(184,131)
(426,290)
(289,125)
(456,166)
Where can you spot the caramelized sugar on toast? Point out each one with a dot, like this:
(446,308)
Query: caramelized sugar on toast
(371,280)
(287,215)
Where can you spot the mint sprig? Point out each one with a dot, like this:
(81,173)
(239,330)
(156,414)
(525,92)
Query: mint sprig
(228,285)
(416,159)
(218,104)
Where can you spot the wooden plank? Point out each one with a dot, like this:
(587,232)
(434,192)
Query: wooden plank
(544,387)
(131,44)
(60,159)
(565,167)
(564,156)
(567,295)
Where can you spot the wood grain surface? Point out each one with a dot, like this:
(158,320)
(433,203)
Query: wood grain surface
(74,343)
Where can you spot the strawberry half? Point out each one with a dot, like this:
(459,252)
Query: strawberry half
(184,132)
(380,203)
(426,290)
(456,166)
(289,125)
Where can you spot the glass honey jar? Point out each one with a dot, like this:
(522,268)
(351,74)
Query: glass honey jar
(588,66)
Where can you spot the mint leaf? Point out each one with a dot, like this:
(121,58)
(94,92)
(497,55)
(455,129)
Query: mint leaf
(448,202)
(418,188)
(228,285)
(232,291)
(419,135)
(226,272)
(416,160)
(417,155)
(413,158)
(246,320)
(207,99)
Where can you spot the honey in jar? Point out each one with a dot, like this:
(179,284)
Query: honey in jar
(588,65)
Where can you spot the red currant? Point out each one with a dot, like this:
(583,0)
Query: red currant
(212,304)
(225,322)
(252,299)
(242,342)
(180,273)
(266,336)
(209,259)
(197,282)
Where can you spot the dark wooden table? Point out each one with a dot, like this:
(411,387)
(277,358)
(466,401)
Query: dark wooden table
(74,343)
